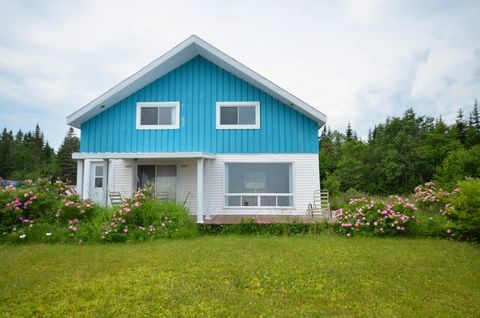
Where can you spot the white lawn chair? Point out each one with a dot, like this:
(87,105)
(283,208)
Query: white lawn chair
(320,205)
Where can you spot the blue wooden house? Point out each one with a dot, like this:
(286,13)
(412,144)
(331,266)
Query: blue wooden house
(204,129)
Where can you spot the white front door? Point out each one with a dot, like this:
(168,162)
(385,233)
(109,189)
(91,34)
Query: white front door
(96,182)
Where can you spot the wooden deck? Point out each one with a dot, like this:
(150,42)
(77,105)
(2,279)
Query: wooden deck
(264,219)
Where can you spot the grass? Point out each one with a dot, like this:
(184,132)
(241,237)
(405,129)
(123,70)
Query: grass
(243,276)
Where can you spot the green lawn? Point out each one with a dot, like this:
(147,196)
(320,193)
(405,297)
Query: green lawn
(243,276)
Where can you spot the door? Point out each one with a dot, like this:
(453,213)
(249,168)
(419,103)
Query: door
(96,182)
(166,182)
(163,178)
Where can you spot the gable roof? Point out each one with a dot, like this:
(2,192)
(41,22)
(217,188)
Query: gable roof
(177,56)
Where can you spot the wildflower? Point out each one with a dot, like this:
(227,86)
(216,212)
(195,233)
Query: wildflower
(449,231)
(125,229)
(48,234)
(348,234)
(22,236)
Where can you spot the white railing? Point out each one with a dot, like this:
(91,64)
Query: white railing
(257,198)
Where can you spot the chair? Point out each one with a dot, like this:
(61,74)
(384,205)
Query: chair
(162,195)
(115,198)
(320,205)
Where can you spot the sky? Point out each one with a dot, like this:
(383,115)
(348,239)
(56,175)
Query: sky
(356,61)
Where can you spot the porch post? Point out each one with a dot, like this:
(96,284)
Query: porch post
(105,180)
(80,166)
(200,190)
(134,176)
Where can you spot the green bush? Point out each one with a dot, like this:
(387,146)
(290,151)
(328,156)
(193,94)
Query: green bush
(332,184)
(463,211)
(142,218)
(251,227)
(379,218)
(458,165)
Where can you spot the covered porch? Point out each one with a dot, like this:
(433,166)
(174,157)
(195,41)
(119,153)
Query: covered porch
(180,177)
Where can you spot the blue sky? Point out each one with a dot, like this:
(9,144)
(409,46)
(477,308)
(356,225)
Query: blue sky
(356,61)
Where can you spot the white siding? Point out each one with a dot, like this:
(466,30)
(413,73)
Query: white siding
(305,172)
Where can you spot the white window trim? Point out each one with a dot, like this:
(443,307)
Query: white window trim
(239,104)
(176,105)
(292,189)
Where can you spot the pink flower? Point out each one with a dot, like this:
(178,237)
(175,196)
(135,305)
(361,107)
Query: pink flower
(375,223)
(449,231)
(125,230)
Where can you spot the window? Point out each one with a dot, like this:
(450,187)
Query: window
(238,115)
(258,185)
(98,176)
(158,115)
(162,178)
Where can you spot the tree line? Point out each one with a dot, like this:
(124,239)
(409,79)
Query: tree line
(26,155)
(402,153)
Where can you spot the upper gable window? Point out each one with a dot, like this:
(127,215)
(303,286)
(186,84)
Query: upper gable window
(238,115)
(158,115)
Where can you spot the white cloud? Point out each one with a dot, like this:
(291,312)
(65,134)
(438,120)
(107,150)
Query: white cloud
(357,61)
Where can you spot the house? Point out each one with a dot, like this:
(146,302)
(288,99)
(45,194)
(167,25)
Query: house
(203,129)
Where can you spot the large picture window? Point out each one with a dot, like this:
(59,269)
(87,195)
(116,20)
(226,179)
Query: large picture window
(238,115)
(258,185)
(158,115)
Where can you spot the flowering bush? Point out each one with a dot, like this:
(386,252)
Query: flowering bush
(143,216)
(428,194)
(367,216)
(74,208)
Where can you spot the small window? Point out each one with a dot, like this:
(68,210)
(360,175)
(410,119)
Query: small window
(238,115)
(158,115)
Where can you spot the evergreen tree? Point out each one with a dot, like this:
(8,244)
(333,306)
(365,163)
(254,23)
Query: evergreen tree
(460,126)
(6,154)
(349,132)
(476,116)
(68,166)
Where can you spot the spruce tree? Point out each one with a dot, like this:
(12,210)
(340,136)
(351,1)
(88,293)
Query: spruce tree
(476,116)
(68,166)
(349,132)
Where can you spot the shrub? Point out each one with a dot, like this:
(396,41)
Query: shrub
(428,195)
(379,218)
(458,165)
(332,184)
(144,217)
(463,211)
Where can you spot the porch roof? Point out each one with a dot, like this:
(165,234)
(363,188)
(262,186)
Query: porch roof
(141,155)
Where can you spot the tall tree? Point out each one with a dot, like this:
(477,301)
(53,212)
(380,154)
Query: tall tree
(68,166)
(476,116)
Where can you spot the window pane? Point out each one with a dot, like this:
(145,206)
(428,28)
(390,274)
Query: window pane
(248,200)
(149,116)
(258,178)
(98,182)
(232,200)
(267,201)
(246,115)
(165,115)
(284,201)
(98,171)
(166,183)
(228,115)
(146,175)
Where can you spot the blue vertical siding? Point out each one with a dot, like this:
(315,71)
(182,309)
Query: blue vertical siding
(198,85)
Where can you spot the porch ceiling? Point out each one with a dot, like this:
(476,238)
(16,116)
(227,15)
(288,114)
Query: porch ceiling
(141,155)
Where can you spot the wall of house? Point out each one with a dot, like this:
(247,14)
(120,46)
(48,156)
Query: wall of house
(198,85)
(305,181)
(305,171)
